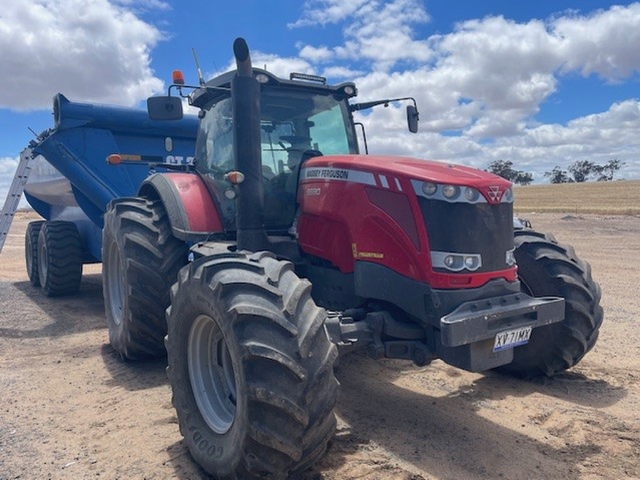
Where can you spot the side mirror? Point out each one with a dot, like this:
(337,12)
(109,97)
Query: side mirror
(412,118)
(164,108)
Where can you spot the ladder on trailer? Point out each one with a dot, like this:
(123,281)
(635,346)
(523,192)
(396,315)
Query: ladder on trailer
(15,193)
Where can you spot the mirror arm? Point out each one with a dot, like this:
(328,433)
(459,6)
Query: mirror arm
(365,105)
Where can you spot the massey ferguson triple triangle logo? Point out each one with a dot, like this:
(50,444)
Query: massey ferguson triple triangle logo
(494,194)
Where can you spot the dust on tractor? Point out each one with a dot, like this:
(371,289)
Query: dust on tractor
(283,245)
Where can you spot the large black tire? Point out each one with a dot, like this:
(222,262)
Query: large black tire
(141,259)
(31,251)
(59,258)
(547,268)
(250,366)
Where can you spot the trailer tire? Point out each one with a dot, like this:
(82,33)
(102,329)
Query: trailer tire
(547,268)
(141,259)
(250,366)
(31,251)
(59,258)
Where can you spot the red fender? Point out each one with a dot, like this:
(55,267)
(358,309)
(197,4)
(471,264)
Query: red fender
(192,212)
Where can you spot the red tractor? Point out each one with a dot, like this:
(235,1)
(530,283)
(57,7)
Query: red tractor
(282,244)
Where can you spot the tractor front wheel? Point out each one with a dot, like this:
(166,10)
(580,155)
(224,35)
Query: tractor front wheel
(141,259)
(250,366)
(547,268)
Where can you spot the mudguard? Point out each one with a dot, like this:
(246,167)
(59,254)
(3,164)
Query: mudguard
(192,212)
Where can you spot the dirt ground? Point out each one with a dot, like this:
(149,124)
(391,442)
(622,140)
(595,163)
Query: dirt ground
(69,408)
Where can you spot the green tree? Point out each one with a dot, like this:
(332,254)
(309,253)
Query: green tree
(582,170)
(608,170)
(523,178)
(504,168)
(557,175)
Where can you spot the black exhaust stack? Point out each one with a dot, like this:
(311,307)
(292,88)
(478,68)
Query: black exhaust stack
(245,94)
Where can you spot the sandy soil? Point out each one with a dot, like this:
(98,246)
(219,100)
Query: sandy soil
(69,408)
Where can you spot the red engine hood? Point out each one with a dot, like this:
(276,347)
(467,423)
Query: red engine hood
(414,168)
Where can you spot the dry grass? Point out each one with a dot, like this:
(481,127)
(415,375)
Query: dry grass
(605,198)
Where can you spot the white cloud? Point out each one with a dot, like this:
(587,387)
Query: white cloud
(342,73)
(603,43)
(88,49)
(498,62)
(376,32)
(281,66)
(322,12)
(315,54)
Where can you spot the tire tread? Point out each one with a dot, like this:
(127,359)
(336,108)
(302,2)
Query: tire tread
(567,342)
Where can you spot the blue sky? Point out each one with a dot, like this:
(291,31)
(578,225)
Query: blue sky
(538,83)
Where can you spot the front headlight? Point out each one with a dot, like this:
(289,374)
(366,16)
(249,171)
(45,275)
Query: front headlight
(471,194)
(456,262)
(429,188)
(450,191)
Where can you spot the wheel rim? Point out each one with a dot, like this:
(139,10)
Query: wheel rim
(212,375)
(115,279)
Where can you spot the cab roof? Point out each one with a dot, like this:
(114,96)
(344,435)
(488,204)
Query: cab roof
(218,87)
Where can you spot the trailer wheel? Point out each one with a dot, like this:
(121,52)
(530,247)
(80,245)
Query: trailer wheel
(31,251)
(547,268)
(59,258)
(141,259)
(250,366)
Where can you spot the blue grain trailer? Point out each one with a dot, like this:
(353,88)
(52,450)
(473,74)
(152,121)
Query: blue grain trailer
(92,155)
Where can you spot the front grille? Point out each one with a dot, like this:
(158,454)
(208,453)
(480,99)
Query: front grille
(478,228)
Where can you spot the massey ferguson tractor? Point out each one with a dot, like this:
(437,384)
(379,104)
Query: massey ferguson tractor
(282,245)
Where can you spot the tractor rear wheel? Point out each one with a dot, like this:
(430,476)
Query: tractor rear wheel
(141,259)
(31,251)
(250,366)
(547,268)
(59,258)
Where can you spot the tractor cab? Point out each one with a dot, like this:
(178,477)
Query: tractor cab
(299,119)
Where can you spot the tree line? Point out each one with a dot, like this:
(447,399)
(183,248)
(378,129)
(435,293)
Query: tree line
(579,171)
(585,170)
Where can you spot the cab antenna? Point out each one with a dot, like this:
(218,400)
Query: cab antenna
(200,77)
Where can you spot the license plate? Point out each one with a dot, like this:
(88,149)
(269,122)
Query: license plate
(512,338)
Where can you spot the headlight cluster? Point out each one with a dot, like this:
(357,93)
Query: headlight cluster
(457,193)
(448,193)
(456,262)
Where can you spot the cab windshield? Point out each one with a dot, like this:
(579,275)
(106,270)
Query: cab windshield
(291,123)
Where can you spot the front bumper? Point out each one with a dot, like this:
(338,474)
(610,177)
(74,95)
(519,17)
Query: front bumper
(467,334)
(461,324)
